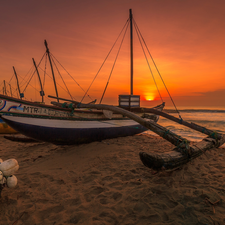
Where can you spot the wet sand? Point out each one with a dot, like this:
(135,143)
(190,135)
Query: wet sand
(106,183)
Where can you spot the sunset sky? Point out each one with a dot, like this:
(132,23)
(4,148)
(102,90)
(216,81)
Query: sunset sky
(185,37)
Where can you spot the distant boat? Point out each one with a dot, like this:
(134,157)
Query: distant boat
(60,125)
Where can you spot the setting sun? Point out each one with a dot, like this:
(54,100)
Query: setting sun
(149,97)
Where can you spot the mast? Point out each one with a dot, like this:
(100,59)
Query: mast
(10,89)
(47,51)
(4,89)
(41,92)
(131,52)
(21,94)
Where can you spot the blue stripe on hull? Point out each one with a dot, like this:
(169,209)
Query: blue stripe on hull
(69,136)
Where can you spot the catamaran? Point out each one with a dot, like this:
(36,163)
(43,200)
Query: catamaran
(71,123)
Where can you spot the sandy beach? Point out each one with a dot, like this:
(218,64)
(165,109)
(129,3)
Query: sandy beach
(106,183)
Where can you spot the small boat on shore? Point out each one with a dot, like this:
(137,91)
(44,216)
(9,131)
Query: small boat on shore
(60,125)
(72,122)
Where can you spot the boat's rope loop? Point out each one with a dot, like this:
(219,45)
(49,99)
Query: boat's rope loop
(184,147)
(165,133)
(214,138)
(178,139)
(64,105)
(214,135)
(70,106)
(181,120)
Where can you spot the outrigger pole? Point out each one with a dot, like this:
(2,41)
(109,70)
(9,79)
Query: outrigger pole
(182,153)
(193,126)
(48,53)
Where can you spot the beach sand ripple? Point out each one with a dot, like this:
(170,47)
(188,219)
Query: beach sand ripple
(105,183)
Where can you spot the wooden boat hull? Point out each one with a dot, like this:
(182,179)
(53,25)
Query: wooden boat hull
(61,126)
(72,131)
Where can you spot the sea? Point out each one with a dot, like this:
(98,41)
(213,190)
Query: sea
(211,118)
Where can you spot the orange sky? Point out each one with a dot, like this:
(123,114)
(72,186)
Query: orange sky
(185,38)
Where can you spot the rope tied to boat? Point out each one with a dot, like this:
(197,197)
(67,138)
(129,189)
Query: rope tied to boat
(178,139)
(184,147)
(64,105)
(165,133)
(181,120)
(214,135)
(70,106)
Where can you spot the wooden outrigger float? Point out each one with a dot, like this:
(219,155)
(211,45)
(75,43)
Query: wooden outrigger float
(183,152)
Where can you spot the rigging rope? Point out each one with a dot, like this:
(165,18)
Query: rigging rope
(114,63)
(24,82)
(70,76)
(61,77)
(11,78)
(29,85)
(138,34)
(158,72)
(45,70)
(103,62)
(11,86)
(45,55)
(52,79)
(32,74)
(6,89)
(28,82)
